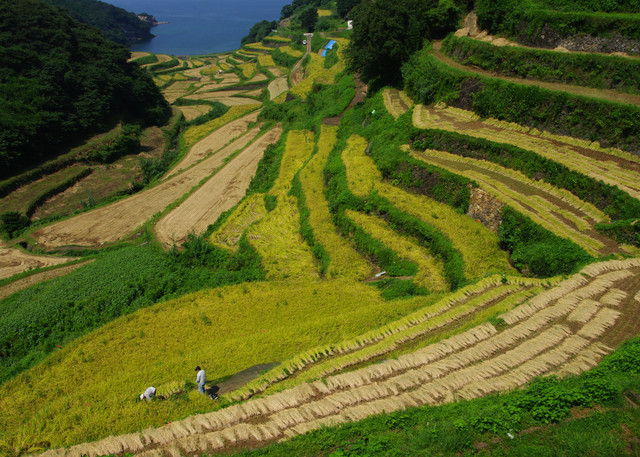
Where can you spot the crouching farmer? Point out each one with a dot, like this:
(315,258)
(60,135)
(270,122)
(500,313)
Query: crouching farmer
(148,394)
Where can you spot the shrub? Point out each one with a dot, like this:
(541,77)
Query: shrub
(535,250)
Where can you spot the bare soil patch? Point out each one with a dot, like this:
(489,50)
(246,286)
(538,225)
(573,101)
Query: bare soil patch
(14,261)
(220,193)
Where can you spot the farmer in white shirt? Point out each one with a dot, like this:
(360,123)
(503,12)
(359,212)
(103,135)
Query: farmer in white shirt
(201,378)
(148,394)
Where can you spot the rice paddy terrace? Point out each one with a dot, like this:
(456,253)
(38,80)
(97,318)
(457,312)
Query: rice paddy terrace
(379,294)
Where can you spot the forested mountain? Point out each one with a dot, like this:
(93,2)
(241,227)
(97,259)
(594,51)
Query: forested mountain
(60,79)
(116,23)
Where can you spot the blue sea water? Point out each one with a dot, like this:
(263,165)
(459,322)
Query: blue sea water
(199,27)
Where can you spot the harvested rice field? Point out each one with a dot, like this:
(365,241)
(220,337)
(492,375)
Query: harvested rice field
(609,165)
(564,330)
(557,210)
(221,192)
(305,302)
(14,261)
(190,112)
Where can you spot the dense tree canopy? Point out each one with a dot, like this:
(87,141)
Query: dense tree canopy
(344,6)
(115,23)
(259,31)
(387,32)
(308,19)
(60,79)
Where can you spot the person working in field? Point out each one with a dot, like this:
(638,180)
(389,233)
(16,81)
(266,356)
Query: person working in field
(148,394)
(201,379)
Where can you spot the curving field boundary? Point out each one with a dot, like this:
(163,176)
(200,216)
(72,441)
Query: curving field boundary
(564,330)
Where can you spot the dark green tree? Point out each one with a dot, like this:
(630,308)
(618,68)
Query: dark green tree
(12,222)
(308,18)
(61,80)
(344,6)
(286,11)
(387,32)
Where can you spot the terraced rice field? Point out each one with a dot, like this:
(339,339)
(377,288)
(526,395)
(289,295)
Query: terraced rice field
(191,112)
(113,222)
(396,102)
(609,165)
(564,330)
(477,244)
(345,262)
(557,210)
(221,192)
(276,237)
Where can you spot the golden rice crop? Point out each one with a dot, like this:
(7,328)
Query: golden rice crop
(298,148)
(277,239)
(90,388)
(491,178)
(289,50)
(259,46)
(196,133)
(431,270)
(248,69)
(387,338)
(477,244)
(248,211)
(323,13)
(345,261)
(266,60)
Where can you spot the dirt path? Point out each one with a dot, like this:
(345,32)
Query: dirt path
(220,193)
(113,222)
(36,278)
(14,261)
(564,330)
(602,94)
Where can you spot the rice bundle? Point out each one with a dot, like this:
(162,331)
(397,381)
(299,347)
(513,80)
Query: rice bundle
(286,418)
(584,360)
(597,268)
(585,311)
(613,298)
(543,300)
(605,318)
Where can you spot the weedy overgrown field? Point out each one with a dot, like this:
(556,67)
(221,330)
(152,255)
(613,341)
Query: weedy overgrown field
(437,254)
